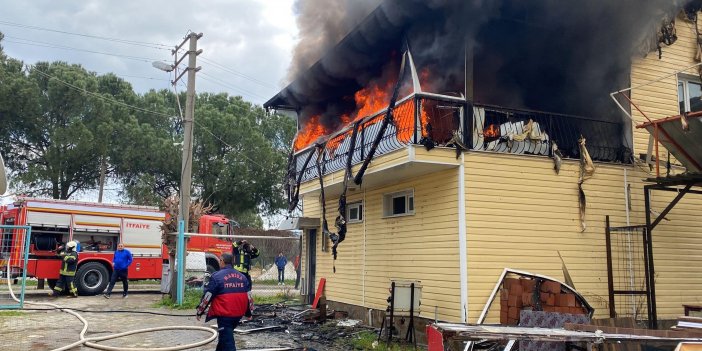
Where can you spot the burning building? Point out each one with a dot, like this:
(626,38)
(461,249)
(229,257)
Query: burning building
(451,139)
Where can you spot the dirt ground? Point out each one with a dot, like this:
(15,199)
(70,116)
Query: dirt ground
(46,330)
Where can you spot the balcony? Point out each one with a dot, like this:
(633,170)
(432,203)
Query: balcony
(454,124)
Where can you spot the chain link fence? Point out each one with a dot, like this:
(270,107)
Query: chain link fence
(14,253)
(269,283)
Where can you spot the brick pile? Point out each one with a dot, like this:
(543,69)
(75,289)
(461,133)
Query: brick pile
(519,294)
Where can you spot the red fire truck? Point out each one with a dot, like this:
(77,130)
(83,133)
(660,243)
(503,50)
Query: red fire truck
(99,228)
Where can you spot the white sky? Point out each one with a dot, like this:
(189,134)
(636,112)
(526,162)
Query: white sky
(252,39)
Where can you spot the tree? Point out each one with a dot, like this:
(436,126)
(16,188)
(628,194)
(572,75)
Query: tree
(49,130)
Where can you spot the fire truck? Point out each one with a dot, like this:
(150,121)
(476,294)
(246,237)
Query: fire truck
(99,227)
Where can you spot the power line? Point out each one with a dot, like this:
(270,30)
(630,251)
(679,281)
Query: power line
(50,45)
(237,73)
(227,85)
(99,96)
(117,40)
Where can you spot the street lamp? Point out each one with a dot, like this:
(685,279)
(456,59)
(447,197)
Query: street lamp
(163,66)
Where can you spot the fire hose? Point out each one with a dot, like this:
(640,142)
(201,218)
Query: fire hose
(92,342)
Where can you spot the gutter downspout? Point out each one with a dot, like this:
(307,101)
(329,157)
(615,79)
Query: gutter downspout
(462,242)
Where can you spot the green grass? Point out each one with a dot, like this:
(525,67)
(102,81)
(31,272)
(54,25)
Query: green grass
(365,340)
(288,282)
(11,313)
(277,298)
(191,300)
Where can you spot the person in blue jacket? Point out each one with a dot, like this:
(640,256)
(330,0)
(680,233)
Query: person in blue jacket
(280,262)
(227,295)
(120,269)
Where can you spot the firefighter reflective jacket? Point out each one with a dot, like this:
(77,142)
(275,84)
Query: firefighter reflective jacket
(69,264)
(229,294)
(242,256)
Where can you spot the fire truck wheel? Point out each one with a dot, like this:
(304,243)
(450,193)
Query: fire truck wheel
(92,278)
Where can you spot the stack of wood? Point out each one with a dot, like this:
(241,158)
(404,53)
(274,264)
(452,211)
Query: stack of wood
(519,294)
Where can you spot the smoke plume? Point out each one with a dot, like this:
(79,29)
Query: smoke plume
(551,55)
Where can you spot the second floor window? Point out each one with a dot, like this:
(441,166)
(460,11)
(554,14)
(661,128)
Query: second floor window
(689,94)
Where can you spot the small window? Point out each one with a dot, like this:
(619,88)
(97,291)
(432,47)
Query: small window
(689,94)
(398,204)
(354,212)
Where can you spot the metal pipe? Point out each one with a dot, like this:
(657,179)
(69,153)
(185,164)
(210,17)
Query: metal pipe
(610,275)
(180,259)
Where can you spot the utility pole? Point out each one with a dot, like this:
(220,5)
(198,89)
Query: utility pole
(188,120)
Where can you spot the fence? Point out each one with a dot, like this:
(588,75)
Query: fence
(627,272)
(264,273)
(14,254)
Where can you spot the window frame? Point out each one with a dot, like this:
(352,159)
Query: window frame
(388,203)
(685,79)
(358,205)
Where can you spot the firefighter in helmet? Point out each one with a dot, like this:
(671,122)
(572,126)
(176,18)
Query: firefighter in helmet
(243,253)
(69,264)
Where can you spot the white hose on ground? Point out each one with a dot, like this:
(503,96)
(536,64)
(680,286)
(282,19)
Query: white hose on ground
(91,342)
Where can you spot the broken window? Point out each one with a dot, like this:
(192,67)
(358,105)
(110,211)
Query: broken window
(398,204)
(689,94)
(354,212)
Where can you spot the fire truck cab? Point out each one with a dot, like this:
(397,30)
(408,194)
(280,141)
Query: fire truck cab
(99,227)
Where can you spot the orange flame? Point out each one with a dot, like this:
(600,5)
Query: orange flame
(369,100)
(309,133)
(491,133)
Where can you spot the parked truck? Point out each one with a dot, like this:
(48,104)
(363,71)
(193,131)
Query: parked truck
(99,228)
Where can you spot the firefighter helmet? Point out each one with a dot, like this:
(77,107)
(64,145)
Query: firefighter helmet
(71,245)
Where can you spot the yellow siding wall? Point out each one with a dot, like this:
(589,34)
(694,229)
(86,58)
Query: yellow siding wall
(676,243)
(519,213)
(422,247)
(660,99)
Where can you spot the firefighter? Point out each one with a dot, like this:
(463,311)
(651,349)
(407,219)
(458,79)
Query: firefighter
(243,253)
(69,264)
(227,293)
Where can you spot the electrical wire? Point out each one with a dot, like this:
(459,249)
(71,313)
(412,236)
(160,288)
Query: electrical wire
(99,96)
(62,47)
(227,85)
(237,73)
(117,40)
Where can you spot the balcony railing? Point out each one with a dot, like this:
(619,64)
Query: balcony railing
(438,120)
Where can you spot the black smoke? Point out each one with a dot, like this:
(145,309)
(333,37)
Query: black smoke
(561,56)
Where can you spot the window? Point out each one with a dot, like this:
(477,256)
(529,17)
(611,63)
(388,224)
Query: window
(354,212)
(689,94)
(398,204)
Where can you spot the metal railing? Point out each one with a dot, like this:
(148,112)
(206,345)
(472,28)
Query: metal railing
(436,120)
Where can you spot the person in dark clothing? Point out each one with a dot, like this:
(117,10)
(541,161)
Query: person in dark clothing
(120,264)
(280,262)
(69,265)
(243,253)
(227,295)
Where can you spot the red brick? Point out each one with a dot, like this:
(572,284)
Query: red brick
(516,289)
(504,317)
(514,313)
(513,321)
(544,296)
(508,282)
(549,309)
(528,284)
(527,299)
(562,309)
(569,300)
(576,310)
(504,294)
(551,301)
(515,301)
(551,287)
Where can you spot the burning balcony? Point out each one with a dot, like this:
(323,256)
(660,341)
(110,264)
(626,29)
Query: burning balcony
(433,120)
